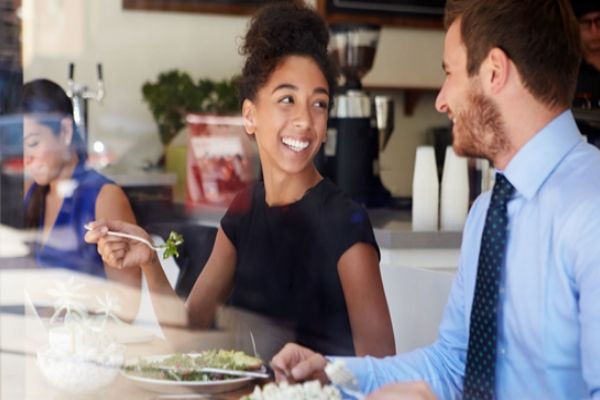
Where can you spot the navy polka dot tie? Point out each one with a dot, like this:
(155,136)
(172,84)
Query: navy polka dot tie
(480,371)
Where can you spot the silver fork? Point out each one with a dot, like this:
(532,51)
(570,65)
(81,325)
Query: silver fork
(128,236)
(343,379)
(269,368)
(254,346)
(263,368)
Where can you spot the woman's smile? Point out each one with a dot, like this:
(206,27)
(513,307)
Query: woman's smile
(295,144)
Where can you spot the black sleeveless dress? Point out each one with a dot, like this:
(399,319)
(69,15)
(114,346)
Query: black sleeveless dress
(287,261)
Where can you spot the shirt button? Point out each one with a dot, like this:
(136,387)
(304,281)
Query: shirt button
(501,290)
(503,351)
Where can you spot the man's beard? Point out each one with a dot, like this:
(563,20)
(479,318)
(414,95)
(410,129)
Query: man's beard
(479,129)
(592,45)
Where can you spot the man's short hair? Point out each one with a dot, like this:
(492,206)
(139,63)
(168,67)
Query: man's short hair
(541,37)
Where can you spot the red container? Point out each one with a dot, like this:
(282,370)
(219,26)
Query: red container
(221,159)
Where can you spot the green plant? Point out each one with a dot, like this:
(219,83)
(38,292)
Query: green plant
(217,97)
(175,94)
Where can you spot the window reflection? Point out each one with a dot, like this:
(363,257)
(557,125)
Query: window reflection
(78,307)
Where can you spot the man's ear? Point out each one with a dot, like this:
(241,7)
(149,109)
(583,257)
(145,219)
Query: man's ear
(249,116)
(497,70)
(66,130)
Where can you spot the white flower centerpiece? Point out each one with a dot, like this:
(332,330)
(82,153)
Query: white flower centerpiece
(81,356)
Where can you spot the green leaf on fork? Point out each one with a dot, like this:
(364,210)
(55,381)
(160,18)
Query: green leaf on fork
(173,241)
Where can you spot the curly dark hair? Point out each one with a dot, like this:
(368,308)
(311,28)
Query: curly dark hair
(279,30)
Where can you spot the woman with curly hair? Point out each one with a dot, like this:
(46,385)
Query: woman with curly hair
(293,247)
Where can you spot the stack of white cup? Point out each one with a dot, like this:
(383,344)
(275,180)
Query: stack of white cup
(454,204)
(426,190)
(427,208)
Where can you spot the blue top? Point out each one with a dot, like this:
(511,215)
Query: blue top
(549,323)
(65,247)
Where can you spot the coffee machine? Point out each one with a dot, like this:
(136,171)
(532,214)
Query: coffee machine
(80,94)
(359,125)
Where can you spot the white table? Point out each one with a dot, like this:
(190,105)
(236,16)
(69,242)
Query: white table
(22,334)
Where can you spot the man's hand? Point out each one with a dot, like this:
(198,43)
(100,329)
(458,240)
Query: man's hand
(297,363)
(403,391)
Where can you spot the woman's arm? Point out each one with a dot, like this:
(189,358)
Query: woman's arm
(112,204)
(359,273)
(213,286)
(123,254)
(210,290)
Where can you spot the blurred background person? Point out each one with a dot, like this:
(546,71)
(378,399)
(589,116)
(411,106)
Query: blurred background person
(62,194)
(587,94)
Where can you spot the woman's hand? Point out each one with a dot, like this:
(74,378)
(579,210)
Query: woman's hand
(118,252)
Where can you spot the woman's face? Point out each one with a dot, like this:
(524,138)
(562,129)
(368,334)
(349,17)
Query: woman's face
(44,152)
(289,116)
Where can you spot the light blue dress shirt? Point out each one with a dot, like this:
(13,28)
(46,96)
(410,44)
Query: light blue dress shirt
(549,326)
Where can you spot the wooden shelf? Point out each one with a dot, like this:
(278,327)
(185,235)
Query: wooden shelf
(411,94)
(379,16)
(241,7)
(397,22)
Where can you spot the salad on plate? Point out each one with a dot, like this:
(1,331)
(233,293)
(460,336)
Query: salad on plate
(182,373)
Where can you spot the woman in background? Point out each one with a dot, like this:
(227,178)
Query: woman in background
(293,248)
(64,195)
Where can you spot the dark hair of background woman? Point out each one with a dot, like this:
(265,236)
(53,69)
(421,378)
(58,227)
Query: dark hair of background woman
(277,31)
(49,103)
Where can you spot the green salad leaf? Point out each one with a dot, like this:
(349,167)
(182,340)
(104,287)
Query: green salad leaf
(173,241)
(187,367)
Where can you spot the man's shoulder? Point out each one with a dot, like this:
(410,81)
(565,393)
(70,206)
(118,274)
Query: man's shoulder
(578,173)
(572,191)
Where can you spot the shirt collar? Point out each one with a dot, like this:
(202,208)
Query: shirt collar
(530,167)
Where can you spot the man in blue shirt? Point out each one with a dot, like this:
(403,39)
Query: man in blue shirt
(511,69)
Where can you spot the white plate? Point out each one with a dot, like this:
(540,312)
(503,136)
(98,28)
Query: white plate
(167,386)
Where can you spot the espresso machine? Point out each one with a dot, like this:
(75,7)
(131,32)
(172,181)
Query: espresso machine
(359,125)
(80,94)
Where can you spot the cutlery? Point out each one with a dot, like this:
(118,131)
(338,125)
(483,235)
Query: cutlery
(187,396)
(260,374)
(343,379)
(270,368)
(128,236)
(254,346)
(250,374)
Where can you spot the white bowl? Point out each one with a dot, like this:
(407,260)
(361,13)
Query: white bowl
(80,373)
